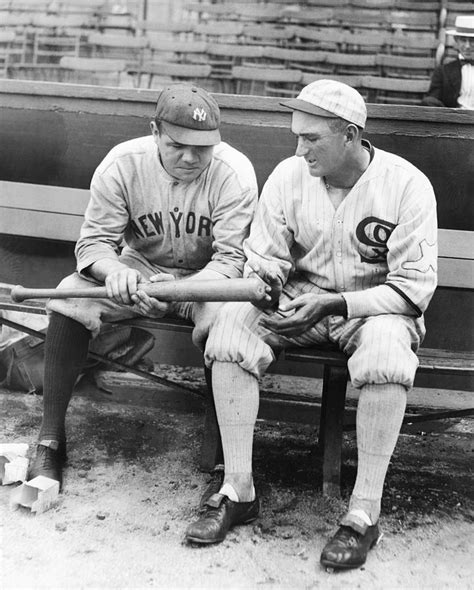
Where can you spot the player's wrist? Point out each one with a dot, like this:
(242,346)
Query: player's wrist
(336,305)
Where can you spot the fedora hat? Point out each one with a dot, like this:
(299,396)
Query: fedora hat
(464,27)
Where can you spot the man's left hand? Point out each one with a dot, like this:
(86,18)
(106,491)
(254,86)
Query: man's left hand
(149,306)
(309,309)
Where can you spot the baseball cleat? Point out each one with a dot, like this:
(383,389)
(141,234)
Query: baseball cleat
(49,462)
(219,516)
(348,548)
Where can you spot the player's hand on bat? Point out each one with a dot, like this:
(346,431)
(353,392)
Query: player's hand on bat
(273,288)
(121,283)
(309,309)
(149,306)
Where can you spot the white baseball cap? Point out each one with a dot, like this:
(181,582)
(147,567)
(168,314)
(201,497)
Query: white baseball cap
(329,98)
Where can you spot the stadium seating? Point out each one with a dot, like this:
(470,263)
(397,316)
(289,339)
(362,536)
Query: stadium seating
(346,39)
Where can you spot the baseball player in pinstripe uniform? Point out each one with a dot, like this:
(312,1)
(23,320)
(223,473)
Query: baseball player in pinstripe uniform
(180,203)
(345,235)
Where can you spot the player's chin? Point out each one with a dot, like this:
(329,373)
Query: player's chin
(188,174)
(314,169)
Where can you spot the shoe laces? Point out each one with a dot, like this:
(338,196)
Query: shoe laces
(214,512)
(47,457)
(346,537)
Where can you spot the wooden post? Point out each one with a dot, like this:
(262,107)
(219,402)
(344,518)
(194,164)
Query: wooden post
(330,427)
(211,449)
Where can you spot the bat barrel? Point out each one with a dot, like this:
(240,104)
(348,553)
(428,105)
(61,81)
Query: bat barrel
(207,290)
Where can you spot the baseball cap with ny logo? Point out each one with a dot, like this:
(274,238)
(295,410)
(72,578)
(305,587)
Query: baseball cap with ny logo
(189,115)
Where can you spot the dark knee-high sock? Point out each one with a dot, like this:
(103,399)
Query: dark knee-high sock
(66,348)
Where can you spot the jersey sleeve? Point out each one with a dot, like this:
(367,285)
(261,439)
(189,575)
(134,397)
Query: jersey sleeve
(105,220)
(232,214)
(411,259)
(269,244)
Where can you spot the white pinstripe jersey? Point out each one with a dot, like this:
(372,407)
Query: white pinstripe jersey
(381,240)
(180,226)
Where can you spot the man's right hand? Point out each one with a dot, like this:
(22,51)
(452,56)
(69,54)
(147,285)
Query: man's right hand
(273,290)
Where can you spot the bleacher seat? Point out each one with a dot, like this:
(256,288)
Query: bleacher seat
(266,81)
(6,40)
(116,46)
(95,71)
(394,90)
(162,73)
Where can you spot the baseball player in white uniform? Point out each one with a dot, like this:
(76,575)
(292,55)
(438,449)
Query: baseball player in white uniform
(176,204)
(346,236)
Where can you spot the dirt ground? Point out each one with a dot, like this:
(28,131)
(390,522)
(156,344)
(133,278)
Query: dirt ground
(133,484)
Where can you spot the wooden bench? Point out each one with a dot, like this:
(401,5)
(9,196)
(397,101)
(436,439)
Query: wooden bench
(456,271)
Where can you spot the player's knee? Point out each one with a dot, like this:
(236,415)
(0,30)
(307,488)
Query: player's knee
(385,354)
(233,338)
(81,313)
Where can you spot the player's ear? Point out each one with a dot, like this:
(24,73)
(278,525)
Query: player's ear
(154,129)
(352,132)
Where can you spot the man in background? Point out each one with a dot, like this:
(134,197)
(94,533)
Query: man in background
(452,84)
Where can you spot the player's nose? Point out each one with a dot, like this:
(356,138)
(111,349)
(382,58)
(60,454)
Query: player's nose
(301,147)
(189,154)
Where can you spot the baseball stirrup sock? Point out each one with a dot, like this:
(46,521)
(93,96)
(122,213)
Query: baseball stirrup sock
(66,348)
(379,418)
(236,399)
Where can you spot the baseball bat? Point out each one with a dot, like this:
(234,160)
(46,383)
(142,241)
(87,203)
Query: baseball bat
(184,290)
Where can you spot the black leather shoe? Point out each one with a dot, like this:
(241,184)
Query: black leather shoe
(348,548)
(220,515)
(213,487)
(49,463)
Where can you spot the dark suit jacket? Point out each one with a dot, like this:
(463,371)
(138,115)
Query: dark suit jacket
(445,86)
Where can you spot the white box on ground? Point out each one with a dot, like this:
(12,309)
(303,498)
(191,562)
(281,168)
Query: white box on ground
(13,462)
(38,495)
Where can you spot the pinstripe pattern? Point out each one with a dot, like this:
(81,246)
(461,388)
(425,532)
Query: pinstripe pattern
(381,348)
(383,233)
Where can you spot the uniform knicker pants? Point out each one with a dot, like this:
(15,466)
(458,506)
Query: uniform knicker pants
(381,349)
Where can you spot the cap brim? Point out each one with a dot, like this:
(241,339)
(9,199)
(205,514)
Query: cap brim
(297,104)
(455,33)
(188,136)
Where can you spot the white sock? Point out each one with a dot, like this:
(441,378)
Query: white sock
(228,490)
(236,397)
(379,418)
